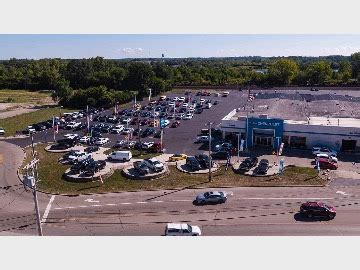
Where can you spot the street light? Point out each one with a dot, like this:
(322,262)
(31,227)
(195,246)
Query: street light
(210,161)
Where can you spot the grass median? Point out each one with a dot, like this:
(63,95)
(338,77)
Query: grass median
(23,96)
(20,122)
(51,172)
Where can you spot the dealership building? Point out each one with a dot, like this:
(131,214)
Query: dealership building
(341,134)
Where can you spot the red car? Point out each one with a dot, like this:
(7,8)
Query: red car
(327,164)
(177,104)
(175,124)
(317,209)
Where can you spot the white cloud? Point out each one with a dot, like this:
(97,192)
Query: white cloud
(130,51)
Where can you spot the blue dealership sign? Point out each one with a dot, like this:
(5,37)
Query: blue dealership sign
(271,124)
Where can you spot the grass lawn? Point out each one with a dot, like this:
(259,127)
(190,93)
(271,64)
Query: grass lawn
(50,173)
(23,96)
(20,122)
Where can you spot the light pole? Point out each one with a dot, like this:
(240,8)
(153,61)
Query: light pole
(238,145)
(210,161)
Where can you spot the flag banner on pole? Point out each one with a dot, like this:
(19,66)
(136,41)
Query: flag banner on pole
(281,148)
(242,145)
(57,129)
(91,117)
(101,180)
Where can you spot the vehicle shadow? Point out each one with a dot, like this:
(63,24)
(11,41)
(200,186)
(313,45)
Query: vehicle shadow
(304,218)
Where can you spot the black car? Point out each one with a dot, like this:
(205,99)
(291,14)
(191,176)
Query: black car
(157,134)
(39,127)
(193,163)
(263,166)
(141,167)
(106,129)
(147,132)
(199,110)
(67,141)
(96,166)
(216,102)
(91,149)
(220,155)
(60,146)
(137,131)
(203,160)
(80,166)
(248,163)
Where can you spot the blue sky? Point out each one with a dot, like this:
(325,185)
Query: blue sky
(138,46)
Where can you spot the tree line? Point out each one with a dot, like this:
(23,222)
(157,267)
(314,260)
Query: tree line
(98,81)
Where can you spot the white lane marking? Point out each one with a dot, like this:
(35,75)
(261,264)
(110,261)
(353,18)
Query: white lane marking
(111,204)
(96,205)
(47,210)
(342,192)
(141,202)
(126,203)
(83,206)
(158,201)
(286,198)
(181,200)
(57,208)
(90,200)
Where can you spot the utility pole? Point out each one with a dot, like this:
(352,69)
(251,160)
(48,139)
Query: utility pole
(33,179)
(139,137)
(210,161)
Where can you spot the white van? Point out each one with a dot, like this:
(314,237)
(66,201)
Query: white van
(225,94)
(120,155)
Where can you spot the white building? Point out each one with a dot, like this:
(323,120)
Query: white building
(342,134)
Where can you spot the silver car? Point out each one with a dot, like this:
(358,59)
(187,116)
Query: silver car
(211,197)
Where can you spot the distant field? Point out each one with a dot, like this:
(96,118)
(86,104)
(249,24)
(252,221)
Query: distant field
(23,96)
(20,122)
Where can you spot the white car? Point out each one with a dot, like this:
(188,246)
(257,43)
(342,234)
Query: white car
(129,144)
(71,136)
(120,143)
(172,104)
(203,139)
(126,120)
(84,139)
(166,122)
(2,131)
(181,229)
(147,145)
(188,116)
(180,116)
(175,99)
(154,164)
(79,156)
(117,129)
(327,156)
(30,129)
(72,125)
(323,150)
(102,141)
(185,105)
(127,131)
(182,99)
(202,100)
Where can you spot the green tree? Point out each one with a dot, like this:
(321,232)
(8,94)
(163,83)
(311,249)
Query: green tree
(283,71)
(355,62)
(345,71)
(318,73)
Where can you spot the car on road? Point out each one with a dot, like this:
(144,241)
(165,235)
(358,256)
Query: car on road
(193,163)
(317,209)
(2,131)
(177,157)
(141,167)
(102,141)
(181,229)
(211,197)
(29,130)
(263,167)
(248,163)
(202,139)
(325,163)
(154,164)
